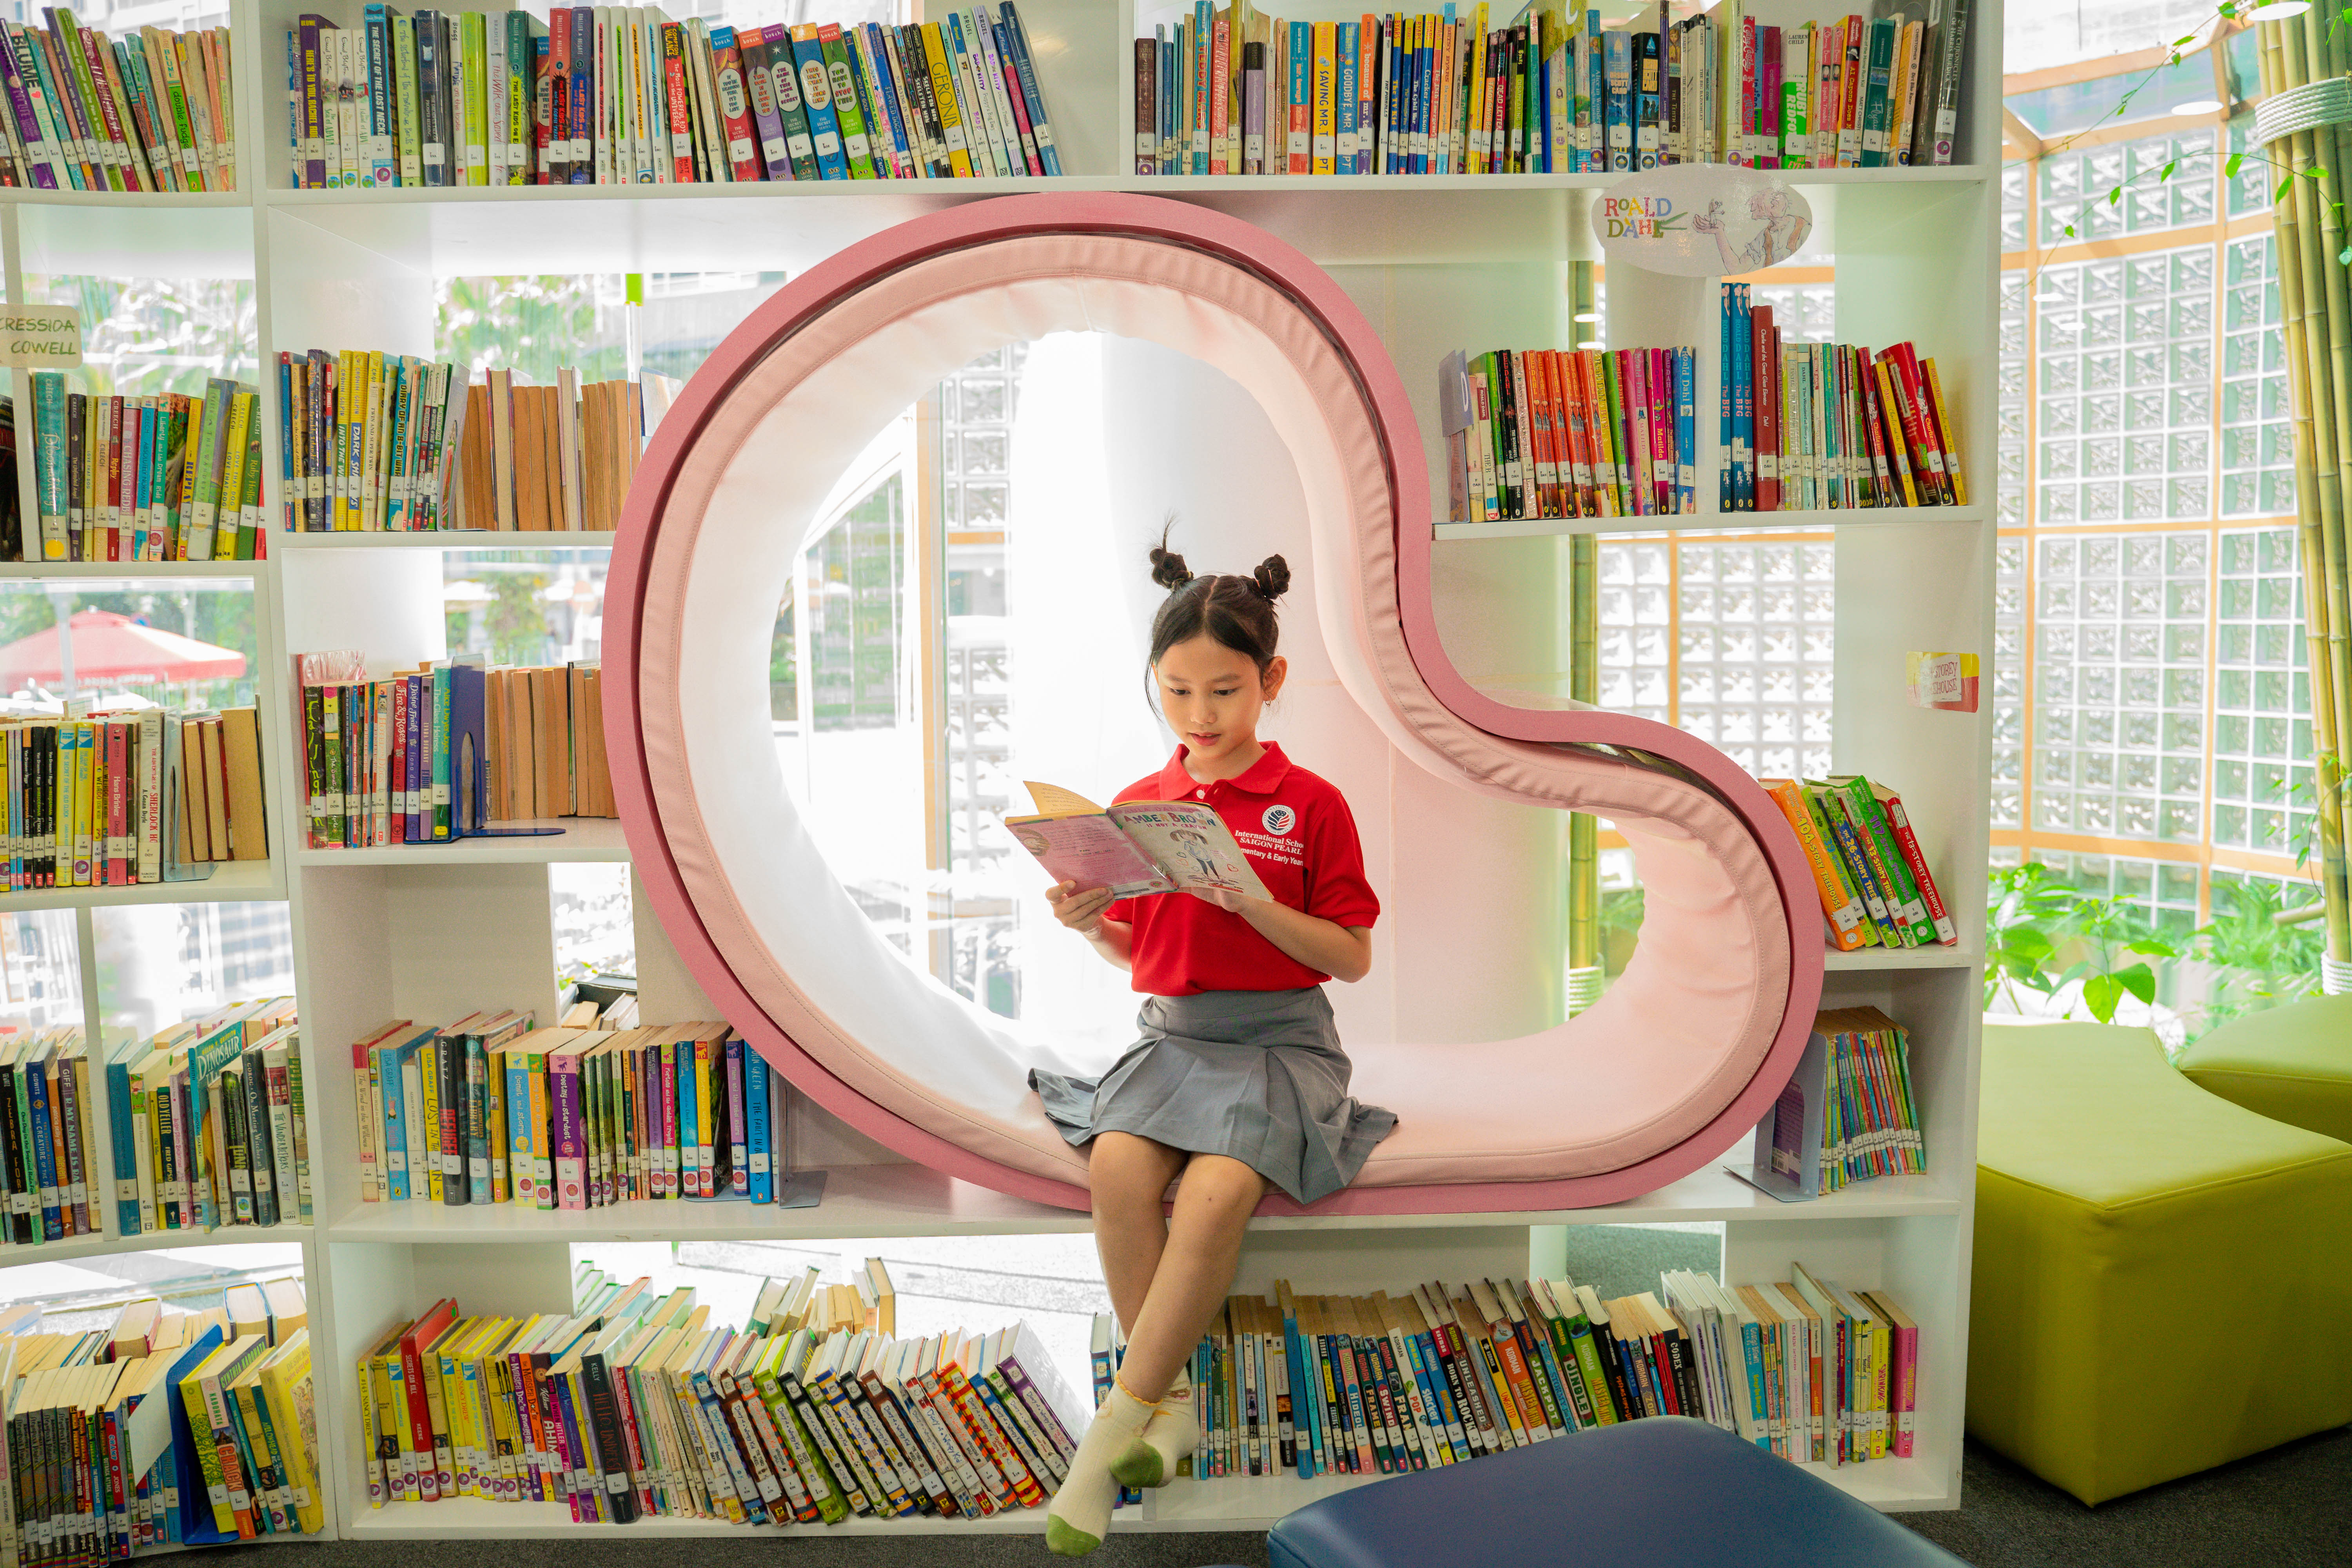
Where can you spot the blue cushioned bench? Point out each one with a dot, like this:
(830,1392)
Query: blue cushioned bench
(1663,1490)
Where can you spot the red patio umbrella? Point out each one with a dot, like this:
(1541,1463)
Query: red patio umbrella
(108,647)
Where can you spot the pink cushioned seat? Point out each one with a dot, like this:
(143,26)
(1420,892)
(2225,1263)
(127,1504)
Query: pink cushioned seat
(1672,1066)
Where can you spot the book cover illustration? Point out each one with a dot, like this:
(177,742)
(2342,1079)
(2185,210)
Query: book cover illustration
(1136,847)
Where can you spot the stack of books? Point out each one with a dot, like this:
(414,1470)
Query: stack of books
(152,110)
(50,1187)
(206,1125)
(629,97)
(1543,433)
(368,441)
(116,800)
(562,456)
(1811,425)
(1848,1113)
(1229,91)
(488,1109)
(167,1429)
(383,756)
(1868,866)
(546,726)
(166,477)
(628,1406)
(1378,1384)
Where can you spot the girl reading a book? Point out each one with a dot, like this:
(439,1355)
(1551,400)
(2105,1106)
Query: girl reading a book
(1238,1080)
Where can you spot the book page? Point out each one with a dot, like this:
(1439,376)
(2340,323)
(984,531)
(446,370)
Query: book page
(1191,844)
(1053,800)
(1090,851)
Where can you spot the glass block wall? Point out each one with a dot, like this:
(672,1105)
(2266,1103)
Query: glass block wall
(2151,714)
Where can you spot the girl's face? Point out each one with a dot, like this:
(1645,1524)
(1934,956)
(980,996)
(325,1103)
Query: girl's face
(1212,695)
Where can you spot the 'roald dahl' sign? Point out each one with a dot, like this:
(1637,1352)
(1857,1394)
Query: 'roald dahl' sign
(1701,220)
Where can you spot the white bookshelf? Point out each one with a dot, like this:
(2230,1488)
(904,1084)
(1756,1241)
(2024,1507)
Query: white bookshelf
(1437,264)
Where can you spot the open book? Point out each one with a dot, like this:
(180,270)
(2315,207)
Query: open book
(1135,848)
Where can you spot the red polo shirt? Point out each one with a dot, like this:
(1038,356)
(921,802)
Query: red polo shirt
(1300,838)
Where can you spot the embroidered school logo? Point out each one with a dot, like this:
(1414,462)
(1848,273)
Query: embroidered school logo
(1278,819)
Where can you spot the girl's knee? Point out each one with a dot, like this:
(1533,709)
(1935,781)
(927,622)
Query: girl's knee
(1221,1178)
(1120,1162)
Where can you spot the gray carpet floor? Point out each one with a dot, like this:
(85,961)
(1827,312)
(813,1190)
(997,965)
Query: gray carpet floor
(2291,1508)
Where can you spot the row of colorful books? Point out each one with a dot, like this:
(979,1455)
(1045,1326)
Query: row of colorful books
(369,441)
(1229,90)
(1536,433)
(625,96)
(555,457)
(167,478)
(489,1111)
(389,761)
(1848,1114)
(116,800)
(50,1188)
(1378,1384)
(1810,426)
(206,1123)
(631,1404)
(151,111)
(1868,864)
(166,1429)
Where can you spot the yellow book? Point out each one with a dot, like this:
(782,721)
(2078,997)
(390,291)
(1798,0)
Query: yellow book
(1323,84)
(437,1403)
(1947,432)
(454,1416)
(285,1387)
(231,514)
(1897,457)
(1849,926)
(428,1064)
(943,91)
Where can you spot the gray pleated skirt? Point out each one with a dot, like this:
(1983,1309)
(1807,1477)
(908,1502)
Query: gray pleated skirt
(1257,1076)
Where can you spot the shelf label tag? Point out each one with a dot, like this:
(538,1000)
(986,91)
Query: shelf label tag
(1945,680)
(44,337)
(1702,220)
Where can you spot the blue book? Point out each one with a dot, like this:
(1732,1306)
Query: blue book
(816,97)
(1346,158)
(1618,70)
(1196,149)
(1724,491)
(1648,102)
(1418,68)
(389,1062)
(1391,98)
(1297,144)
(582,113)
(119,1133)
(1596,93)
(194,1514)
(690,1125)
(478,1119)
(1743,402)
(755,1113)
(1686,428)
(1024,68)
(378,167)
(739,1152)
(33,1075)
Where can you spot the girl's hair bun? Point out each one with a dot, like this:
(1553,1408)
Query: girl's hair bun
(1168,568)
(1272,577)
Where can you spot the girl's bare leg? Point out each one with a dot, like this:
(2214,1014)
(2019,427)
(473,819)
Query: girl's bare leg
(1201,1251)
(1128,1177)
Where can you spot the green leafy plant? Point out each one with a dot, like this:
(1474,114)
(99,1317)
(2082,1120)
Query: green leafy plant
(2035,921)
(2257,962)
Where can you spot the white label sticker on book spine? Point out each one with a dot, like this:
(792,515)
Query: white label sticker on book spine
(773,150)
(828,143)
(433,154)
(477,156)
(738,150)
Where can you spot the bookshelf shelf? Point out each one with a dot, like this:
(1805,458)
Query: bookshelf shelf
(232,883)
(472,1519)
(580,839)
(1710,521)
(456,539)
(118,571)
(1438,263)
(110,1244)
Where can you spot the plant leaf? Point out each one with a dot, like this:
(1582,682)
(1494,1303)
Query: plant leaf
(2166,173)
(2230,166)
(2100,994)
(2139,980)
(2115,195)
(2284,186)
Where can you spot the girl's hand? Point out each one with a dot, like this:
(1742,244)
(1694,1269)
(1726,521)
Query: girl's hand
(1231,898)
(1081,912)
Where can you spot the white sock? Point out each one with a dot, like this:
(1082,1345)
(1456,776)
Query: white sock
(1079,1516)
(1166,1441)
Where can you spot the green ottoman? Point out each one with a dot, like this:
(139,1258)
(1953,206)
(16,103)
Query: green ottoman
(2292,1064)
(2163,1281)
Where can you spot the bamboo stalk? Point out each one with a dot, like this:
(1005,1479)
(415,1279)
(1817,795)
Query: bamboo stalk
(2318,503)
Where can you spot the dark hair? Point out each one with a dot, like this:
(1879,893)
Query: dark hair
(1236,610)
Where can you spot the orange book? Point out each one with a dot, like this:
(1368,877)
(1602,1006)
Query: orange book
(1841,905)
